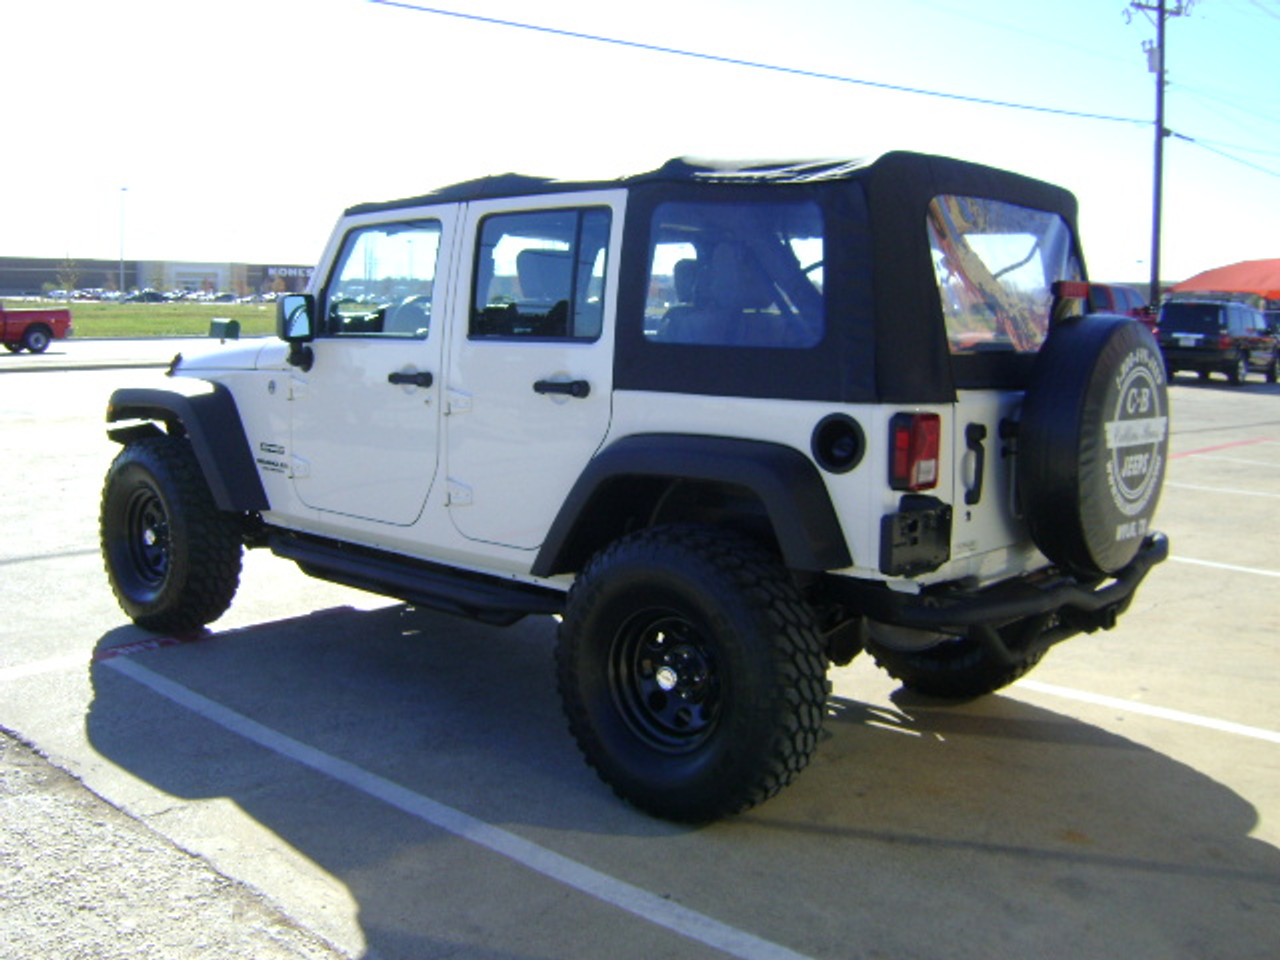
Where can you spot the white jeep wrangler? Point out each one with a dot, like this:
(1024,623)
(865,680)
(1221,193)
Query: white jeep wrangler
(730,421)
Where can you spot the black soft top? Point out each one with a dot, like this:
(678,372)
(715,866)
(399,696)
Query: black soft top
(676,170)
(889,343)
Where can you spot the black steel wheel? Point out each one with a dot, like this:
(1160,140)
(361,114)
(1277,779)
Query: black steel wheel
(172,558)
(691,672)
(663,673)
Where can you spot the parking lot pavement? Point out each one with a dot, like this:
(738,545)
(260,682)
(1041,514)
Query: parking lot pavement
(400,783)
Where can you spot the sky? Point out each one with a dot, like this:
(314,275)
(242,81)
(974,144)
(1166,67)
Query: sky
(239,130)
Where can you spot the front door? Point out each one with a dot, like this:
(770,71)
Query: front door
(366,416)
(531,373)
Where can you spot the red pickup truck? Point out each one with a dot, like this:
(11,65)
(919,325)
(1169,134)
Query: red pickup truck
(32,329)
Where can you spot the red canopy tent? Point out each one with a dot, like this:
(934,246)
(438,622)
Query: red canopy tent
(1259,277)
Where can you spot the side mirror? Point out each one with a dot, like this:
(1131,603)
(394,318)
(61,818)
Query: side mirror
(295,325)
(295,318)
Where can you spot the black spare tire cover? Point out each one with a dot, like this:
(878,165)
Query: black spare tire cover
(1093,442)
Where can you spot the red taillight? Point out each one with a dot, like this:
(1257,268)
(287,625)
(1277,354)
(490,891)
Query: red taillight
(916,439)
(1224,341)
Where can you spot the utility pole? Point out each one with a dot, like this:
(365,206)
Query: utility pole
(1155,63)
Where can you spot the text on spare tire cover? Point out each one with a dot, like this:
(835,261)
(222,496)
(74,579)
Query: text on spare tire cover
(1135,439)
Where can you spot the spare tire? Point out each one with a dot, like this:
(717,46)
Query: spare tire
(1093,443)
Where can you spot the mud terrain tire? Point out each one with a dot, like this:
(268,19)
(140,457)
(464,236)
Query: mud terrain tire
(691,672)
(173,559)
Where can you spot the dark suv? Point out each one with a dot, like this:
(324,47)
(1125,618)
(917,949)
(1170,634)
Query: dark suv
(1231,338)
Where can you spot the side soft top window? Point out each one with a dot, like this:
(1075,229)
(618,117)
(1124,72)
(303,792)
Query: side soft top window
(736,275)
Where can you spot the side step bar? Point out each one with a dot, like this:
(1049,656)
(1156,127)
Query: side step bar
(477,596)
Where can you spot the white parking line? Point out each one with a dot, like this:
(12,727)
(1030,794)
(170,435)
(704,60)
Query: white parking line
(1253,463)
(1223,490)
(1146,709)
(1257,571)
(641,903)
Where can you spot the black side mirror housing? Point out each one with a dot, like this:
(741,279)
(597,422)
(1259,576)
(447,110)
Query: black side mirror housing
(296,326)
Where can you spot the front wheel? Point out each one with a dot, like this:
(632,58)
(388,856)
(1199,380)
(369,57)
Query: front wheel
(13,347)
(691,672)
(173,559)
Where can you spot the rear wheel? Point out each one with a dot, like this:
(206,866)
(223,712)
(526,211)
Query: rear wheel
(37,338)
(173,559)
(692,674)
(960,668)
(1238,371)
(13,347)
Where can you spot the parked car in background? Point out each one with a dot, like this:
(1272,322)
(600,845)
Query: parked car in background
(1208,337)
(1122,300)
(33,329)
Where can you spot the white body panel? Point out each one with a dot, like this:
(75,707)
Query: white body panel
(472,470)
(513,454)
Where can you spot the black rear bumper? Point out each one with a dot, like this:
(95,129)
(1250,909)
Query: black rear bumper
(1064,604)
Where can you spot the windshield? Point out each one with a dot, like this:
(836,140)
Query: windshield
(996,264)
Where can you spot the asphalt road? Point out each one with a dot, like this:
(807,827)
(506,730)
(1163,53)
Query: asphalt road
(350,776)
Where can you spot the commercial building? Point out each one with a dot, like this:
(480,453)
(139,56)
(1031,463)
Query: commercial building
(31,276)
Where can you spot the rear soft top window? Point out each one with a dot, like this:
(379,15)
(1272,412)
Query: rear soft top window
(995,265)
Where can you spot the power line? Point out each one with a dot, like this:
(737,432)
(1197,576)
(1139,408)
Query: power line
(756,65)
(1204,145)
(1206,95)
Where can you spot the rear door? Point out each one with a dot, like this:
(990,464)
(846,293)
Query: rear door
(995,264)
(529,394)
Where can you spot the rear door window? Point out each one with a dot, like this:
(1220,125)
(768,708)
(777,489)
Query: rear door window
(540,275)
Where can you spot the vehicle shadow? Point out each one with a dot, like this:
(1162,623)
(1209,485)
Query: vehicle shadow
(1252,384)
(1056,831)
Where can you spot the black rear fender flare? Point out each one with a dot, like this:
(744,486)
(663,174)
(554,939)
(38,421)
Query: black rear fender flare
(784,481)
(211,422)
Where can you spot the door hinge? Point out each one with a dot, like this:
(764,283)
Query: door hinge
(458,402)
(459,494)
